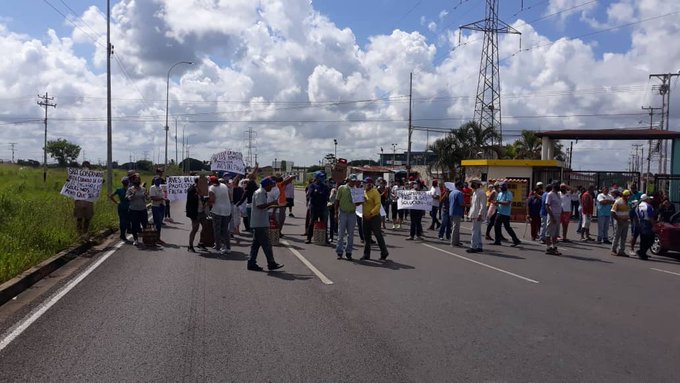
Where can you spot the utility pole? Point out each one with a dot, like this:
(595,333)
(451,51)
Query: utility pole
(410,124)
(176,147)
(651,110)
(665,92)
(109,136)
(11,144)
(488,100)
(45,102)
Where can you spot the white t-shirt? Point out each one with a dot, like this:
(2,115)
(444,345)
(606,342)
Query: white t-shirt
(435,193)
(156,191)
(566,201)
(222,205)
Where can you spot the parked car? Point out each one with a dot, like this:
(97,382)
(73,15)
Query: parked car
(667,236)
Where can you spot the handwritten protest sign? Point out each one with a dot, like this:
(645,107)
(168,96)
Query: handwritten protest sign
(228,161)
(357,195)
(450,185)
(177,187)
(414,199)
(360,211)
(83,184)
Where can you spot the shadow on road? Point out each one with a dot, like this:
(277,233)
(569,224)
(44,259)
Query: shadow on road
(388,264)
(588,259)
(234,256)
(288,276)
(500,255)
(658,259)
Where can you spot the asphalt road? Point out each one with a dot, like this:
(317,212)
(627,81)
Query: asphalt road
(431,313)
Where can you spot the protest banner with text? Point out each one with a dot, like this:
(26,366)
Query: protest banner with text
(177,187)
(83,184)
(357,195)
(414,199)
(228,161)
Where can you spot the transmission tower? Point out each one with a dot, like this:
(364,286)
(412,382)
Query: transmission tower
(488,100)
(251,149)
(12,144)
(665,92)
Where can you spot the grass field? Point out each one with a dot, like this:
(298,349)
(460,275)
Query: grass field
(36,222)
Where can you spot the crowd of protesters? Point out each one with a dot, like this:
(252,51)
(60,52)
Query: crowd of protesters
(218,207)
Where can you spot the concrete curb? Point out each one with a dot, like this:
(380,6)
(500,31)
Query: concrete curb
(28,278)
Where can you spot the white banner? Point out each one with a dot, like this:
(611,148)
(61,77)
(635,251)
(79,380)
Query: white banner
(357,195)
(177,187)
(228,161)
(414,199)
(83,184)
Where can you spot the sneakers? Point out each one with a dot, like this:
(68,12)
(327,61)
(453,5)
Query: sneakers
(553,251)
(254,268)
(225,251)
(339,255)
(348,256)
(515,244)
(274,266)
(409,238)
(473,250)
(135,243)
(308,241)
(291,215)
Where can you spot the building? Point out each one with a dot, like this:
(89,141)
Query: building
(399,159)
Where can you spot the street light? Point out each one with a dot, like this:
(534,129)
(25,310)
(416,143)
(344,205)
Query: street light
(335,151)
(167,106)
(394,153)
(381,156)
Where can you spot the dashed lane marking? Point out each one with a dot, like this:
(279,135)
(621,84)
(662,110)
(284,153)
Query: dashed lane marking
(309,265)
(481,264)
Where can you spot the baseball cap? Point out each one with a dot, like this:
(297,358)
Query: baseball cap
(353,177)
(212,179)
(645,197)
(626,192)
(267,182)
(539,184)
(368,180)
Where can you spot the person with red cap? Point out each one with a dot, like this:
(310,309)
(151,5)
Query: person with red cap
(371,221)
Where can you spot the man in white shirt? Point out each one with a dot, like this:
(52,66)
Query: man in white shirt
(565,197)
(477,214)
(553,207)
(157,205)
(290,198)
(436,195)
(220,212)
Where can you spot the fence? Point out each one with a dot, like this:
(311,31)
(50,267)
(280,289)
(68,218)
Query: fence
(669,184)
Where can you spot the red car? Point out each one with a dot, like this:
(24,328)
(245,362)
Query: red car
(667,236)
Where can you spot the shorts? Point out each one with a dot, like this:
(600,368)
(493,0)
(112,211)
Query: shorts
(553,228)
(565,217)
(290,202)
(83,209)
(586,221)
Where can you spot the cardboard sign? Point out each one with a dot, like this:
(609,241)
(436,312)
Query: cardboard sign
(414,199)
(357,195)
(177,187)
(228,161)
(83,184)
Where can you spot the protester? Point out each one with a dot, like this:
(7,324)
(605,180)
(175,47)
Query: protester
(123,207)
(445,228)
(666,210)
(331,222)
(620,212)
(384,192)
(290,198)
(397,215)
(318,199)
(237,190)
(416,222)
(456,212)
(467,198)
(504,201)
(565,197)
(137,196)
(195,211)
(371,221)
(345,211)
(534,203)
(544,213)
(247,198)
(604,206)
(575,195)
(220,211)
(280,213)
(587,212)
(492,208)
(647,216)
(553,207)
(157,206)
(83,211)
(259,225)
(633,201)
(476,215)
(436,196)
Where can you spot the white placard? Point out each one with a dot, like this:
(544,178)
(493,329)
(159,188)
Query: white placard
(228,161)
(177,187)
(83,184)
(450,185)
(360,211)
(357,195)
(414,199)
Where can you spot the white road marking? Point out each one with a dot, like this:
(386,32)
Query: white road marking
(309,265)
(22,325)
(481,264)
(666,271)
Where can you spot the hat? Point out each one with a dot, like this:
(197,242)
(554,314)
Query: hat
(267,182)
(212,179)
(645,197)
(353,177)
(125,180)
(626,192)
(320,174)
(539,183)
(368,180)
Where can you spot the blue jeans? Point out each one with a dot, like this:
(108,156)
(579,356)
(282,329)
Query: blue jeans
(158,212)
(346,223)
(455,229)
(445,228)
(476,242)
(603,228)
(221,230)
(544,227)
(124,219)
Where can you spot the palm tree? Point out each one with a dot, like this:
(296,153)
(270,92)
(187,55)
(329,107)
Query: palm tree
(474,138)
(448,156)
(528,146)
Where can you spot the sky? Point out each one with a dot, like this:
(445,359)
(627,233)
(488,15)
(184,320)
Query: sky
(302,73)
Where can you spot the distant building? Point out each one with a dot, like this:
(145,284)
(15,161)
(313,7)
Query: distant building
(399,159)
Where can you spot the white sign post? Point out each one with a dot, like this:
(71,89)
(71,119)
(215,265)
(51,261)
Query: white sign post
(414,199)
(178,186)
(228,161)
(83,184)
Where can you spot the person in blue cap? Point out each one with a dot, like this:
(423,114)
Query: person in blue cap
(318,194)
(259,224)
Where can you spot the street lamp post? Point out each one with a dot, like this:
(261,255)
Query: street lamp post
(335,150)
(394,153)
(167,106)
(381,156)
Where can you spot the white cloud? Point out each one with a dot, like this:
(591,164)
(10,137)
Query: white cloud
(300,81)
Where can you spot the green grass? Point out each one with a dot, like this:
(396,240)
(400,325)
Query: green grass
(36,222)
